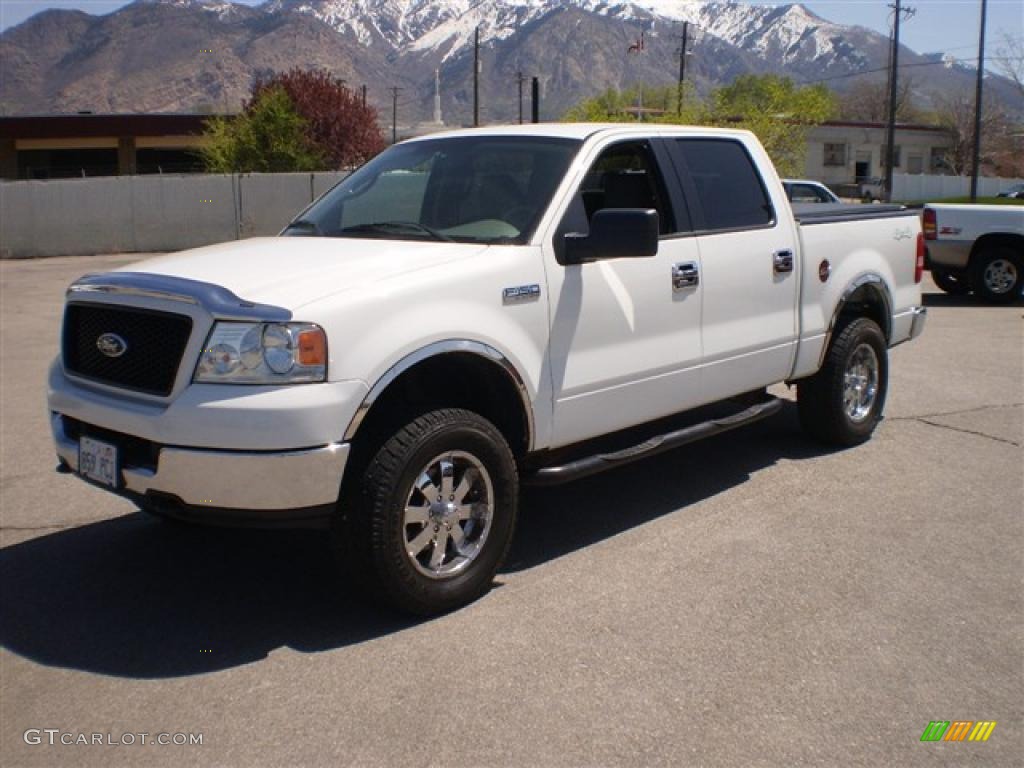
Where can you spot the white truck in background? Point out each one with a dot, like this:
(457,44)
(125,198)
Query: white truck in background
(473,310)
(976,248)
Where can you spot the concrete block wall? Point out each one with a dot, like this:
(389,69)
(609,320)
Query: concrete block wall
(149,213)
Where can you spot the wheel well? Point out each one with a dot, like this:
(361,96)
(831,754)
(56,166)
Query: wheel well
(998,239)
(866,301)
(450,380)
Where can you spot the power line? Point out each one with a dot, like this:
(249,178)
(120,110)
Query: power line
(942,62)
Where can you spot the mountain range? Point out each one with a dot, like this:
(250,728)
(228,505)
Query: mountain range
(203,55)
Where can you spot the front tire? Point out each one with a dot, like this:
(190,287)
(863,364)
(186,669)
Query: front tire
(435,513)
(952,281)
(996,274)
(842,403)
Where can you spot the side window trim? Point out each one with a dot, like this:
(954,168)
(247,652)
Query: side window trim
(686,185)
(684,218)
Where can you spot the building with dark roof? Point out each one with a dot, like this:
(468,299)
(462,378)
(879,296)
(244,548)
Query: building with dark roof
(63,146)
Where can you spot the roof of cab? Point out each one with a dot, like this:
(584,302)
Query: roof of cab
(582,131)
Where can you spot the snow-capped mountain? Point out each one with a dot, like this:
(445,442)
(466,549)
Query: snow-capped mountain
(787,32)
(204,54)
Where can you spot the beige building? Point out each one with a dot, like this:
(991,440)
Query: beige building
(840,152)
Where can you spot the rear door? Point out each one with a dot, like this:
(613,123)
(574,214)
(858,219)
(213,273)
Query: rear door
(749,264)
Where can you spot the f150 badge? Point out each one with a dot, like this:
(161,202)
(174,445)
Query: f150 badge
(902,234)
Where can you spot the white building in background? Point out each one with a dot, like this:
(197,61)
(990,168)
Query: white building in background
(844,152)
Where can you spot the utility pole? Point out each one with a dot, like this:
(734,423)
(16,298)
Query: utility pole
(476,77)
(520,79)
(535,93)
(894,64)
(976,165)
(394,115)
(682,68)
(364,95)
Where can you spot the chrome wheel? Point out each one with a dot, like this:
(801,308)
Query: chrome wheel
(860,383)
(1000,275)
(448,514)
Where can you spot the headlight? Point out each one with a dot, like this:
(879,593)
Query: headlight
(263,353)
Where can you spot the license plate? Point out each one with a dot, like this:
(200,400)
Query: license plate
(98,461)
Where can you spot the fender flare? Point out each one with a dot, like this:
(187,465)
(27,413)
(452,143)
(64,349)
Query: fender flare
(879,286)
(434,350)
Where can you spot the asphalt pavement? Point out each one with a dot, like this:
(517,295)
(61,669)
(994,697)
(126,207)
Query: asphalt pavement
(752,600)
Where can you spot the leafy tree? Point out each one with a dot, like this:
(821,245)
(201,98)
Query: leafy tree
(269,136)
(778,112)
(658,105)
(344,131)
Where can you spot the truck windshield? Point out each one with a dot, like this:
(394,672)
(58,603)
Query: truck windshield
(475,189)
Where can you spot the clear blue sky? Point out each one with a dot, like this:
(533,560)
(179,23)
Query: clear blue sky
(940,25)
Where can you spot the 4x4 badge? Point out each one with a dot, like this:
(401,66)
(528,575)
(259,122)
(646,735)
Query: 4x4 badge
(111,345)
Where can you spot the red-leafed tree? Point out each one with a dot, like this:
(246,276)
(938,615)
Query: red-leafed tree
(338,125)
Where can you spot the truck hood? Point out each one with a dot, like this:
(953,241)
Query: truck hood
(291,272)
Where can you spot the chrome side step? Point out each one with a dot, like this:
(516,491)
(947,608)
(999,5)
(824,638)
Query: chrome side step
(591,465)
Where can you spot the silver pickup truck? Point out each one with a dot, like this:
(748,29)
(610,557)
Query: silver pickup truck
(977,248)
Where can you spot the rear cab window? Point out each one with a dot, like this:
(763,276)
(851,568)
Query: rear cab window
(722,184)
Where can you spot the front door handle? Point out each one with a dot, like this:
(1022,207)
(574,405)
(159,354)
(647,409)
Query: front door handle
(783,261)
(685,275)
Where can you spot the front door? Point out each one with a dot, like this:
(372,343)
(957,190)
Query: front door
(625,343)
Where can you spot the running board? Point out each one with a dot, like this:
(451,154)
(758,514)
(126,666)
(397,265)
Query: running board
(591,465)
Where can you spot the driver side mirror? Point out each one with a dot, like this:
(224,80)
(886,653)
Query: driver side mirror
(615,233)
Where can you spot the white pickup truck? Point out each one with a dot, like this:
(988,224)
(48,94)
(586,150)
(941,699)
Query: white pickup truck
(977,248)
(472,310)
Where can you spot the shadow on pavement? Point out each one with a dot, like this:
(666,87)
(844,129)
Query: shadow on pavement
(135,597)
(949,300)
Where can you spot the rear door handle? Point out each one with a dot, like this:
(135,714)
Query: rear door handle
(685,275)
(783,261)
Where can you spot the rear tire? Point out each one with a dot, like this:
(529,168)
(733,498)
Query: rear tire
(434,515)
(952,281)
(996,274)
(842,403)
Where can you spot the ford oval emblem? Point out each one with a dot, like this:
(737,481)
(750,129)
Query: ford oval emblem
(111,345)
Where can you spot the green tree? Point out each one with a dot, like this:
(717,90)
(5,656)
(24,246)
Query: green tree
(658,105)
(270,136)
(777,111)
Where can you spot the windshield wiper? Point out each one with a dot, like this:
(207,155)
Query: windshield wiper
(392,226)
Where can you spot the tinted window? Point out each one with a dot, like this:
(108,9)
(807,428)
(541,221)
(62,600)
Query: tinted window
(626,176)
(727,184)
(807,193)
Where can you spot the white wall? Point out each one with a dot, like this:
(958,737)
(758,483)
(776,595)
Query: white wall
(149,213)
(927,188)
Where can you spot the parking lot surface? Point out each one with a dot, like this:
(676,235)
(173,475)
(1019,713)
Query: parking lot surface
(749,600)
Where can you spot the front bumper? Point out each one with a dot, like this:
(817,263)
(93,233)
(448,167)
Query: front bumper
(272,485)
